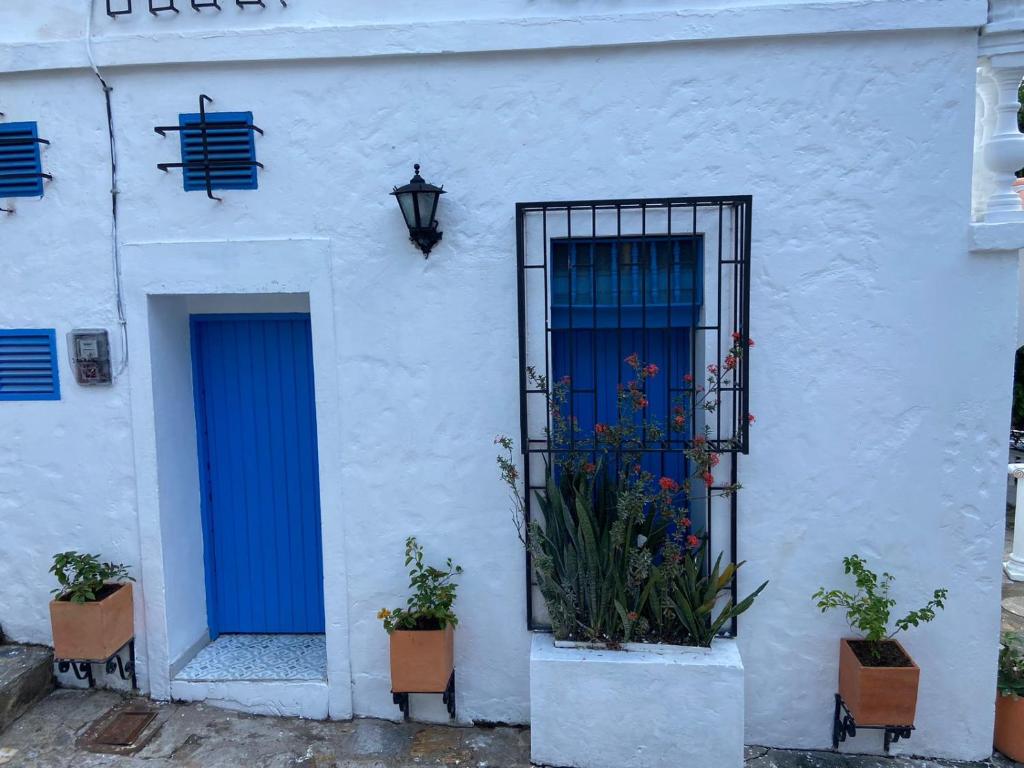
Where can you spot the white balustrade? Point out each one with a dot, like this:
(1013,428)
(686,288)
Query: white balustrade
(1014,566)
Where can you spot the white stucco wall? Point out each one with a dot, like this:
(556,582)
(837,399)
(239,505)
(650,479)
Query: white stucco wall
(881,377)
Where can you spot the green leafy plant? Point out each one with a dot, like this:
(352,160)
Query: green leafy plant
(615,553)
(1011,665)
(82,577)
(869,609)
(430,605)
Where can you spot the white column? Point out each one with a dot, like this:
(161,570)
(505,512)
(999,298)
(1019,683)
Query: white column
(1004,149)
(1014,567)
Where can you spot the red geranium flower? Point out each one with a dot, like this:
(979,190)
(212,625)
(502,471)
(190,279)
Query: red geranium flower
(651,369)
(688,378)
(668,484)
(632,615)
(730,362)
(589,468)
(751,418)
(692,541)
(633,361)
(600,428)
(709,479)
(712,368)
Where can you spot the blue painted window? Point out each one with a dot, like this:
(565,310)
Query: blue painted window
(230,148)
(21,168)
(28,365)
(611,298)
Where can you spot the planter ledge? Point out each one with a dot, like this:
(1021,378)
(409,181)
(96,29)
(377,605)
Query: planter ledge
(665,707)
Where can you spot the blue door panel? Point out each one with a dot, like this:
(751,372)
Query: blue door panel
(256,422)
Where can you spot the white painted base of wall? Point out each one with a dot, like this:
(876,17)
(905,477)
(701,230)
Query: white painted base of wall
(292,698)
(668,707)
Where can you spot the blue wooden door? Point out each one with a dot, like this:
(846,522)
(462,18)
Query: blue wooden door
(256,426)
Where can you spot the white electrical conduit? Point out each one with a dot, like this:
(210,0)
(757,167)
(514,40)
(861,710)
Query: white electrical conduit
(115,250)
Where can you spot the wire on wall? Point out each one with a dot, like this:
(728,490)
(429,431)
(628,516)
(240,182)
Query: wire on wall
(115,248)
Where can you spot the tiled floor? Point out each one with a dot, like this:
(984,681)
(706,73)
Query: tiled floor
(259,657)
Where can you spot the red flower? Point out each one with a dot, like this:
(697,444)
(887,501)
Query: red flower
(668,484)
(699,440)
(750,343)
(712,368)
(688,378)
(632,615)
(637,468)
(686,522)
(709,479)
(714,459)
(736,335)
(651,369)
(692,541)
(751,418)
(589,468)
(640,401)
(600,428)
(633,361)
(730,362)
(679,422)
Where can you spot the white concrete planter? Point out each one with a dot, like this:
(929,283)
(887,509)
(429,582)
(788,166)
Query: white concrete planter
(644,707)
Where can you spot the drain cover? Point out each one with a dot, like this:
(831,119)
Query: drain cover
(124,728)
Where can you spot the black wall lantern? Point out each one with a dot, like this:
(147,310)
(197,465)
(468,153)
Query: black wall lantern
(418,201)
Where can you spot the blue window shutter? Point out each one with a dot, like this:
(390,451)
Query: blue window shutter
(230,151)
(28,365)
(21,168)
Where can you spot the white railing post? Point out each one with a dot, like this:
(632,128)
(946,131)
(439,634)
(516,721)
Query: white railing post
(1014,566)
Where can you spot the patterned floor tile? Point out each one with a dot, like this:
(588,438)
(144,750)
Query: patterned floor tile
(259,657)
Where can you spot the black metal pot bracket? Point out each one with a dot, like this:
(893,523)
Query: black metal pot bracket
(447,696)
(844,726)
(83,667)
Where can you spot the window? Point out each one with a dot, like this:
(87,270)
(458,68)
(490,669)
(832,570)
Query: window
(21,169)
(28,365)
(218,153)
(665,279)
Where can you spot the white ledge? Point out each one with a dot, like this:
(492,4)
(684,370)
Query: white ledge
(1003,236)
(795,17)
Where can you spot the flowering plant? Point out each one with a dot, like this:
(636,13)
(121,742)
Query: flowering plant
(618,557)
(430,606)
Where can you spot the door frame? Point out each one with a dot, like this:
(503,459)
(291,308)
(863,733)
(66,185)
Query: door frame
(155,273)
(203,448)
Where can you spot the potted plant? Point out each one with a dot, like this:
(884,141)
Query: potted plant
(92,613)
(878,680)
(1009,731)
(636,600)
(422,634)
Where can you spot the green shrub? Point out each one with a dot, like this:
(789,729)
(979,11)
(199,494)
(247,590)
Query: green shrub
(430,605)
(81,577)
(1011,665)
(869,609)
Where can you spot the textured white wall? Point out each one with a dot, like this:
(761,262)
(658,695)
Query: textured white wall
(881,376)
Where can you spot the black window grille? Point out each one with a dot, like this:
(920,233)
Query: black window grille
(665,279)
(218,150)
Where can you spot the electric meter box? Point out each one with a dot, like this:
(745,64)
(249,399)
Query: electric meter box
(89,349)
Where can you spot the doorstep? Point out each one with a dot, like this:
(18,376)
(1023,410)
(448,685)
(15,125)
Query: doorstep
(259,674)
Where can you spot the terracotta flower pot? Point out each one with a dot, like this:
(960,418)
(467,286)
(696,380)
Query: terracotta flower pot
(1009,737)
(878,695)
(93,630)
(422,662)
(1018,187)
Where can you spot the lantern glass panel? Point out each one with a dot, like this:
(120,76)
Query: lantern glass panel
(426,202)
(407,201)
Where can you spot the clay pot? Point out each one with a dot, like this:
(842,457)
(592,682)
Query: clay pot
(93,631)
(422,662)
(878,695)
(1009,737)
(1018,187)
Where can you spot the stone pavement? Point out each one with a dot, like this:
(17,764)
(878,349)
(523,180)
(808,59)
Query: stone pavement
(197,736)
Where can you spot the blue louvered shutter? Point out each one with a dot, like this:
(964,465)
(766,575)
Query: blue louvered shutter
(21,169)
(230,151)
(28,365)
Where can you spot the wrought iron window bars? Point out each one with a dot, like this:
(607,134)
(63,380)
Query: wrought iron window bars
(610,278)
(207,165)
(21,173)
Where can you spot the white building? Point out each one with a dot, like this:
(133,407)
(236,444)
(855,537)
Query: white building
(884,316)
